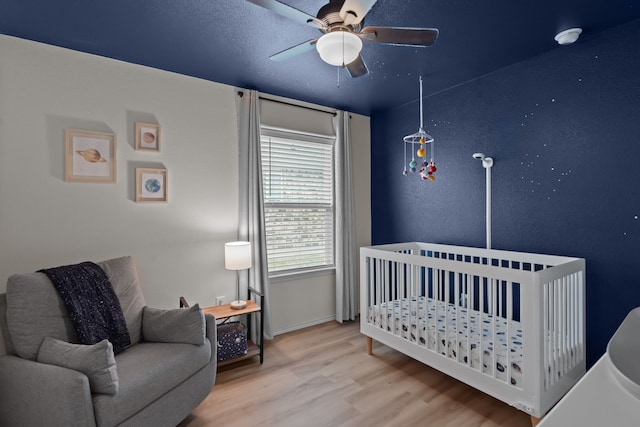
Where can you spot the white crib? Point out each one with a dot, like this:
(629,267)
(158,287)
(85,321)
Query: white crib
(510,324)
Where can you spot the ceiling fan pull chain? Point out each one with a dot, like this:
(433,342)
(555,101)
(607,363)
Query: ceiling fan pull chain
(421,124)
(404,172)
(343,64)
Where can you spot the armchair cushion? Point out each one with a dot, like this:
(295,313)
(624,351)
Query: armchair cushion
(147,371)
(180,325)
(35,311)
(96,361)
(123,275)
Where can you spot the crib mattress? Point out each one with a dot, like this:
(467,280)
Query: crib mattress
(454,331)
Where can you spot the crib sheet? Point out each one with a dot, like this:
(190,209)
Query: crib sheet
(435,325)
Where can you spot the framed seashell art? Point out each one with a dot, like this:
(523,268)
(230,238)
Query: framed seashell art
(90,156)
(151,185)
(147,137)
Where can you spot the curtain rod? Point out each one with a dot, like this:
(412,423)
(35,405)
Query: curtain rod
(240,93)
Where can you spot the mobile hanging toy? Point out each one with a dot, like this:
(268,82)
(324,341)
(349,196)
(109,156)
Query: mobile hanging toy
(422,139)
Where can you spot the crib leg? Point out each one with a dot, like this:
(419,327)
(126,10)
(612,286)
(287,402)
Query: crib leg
(535,421)
(370,346)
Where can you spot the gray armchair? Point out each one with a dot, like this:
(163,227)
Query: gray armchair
(156,381)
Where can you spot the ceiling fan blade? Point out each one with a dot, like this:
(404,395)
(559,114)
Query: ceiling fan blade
(400,36)
(353,11)
(289,12)
(294,51)
(357,67)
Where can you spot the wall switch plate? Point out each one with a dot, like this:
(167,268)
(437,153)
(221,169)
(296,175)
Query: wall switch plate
(219,300)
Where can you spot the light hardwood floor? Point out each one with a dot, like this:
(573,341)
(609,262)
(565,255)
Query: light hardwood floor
(322,377)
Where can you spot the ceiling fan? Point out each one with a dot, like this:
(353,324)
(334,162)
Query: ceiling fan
(341,21)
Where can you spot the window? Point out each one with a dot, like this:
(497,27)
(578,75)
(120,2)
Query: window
(297,172)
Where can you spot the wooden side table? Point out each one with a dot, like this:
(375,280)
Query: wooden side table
(225,311)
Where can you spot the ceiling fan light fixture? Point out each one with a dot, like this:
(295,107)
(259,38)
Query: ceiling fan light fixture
(568,36)
(339,47)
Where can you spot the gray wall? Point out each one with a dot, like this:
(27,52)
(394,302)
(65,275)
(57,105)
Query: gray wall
(179,246)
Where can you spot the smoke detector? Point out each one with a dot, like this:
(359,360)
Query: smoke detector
(568,36)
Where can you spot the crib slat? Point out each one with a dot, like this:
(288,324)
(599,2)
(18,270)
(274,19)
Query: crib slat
(388,288)
(391,288)
(436,284)
(494,325)
(556,318)
(557,353)
(545,335)
(552,330)
(469,293)
(560,332)
(577,317)
(418,273)
(447,332)
(480,320)
(412,318)
(381,299)
(563,326)
(458,311)
(400,293)
(508,331)
(574,323)
(470,306)
(558,350)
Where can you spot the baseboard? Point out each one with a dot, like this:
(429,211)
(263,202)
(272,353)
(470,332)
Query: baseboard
(303,325)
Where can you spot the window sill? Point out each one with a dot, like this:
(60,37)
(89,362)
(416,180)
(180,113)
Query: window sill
(287,277)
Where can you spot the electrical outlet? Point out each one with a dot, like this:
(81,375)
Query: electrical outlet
(219,300)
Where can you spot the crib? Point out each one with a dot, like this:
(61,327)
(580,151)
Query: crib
(510,324)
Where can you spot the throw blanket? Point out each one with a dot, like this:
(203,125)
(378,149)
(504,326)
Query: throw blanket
(91,303)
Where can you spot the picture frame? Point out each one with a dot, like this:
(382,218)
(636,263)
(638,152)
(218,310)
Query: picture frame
(147,137)
(151,185)
(90,156)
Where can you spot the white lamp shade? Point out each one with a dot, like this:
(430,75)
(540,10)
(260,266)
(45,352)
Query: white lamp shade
(237,255)
(339,47)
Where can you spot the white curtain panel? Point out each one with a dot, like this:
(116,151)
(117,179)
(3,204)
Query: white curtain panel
(251,212)
(347,296)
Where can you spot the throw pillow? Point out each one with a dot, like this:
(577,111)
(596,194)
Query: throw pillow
(179,325)
(96,361)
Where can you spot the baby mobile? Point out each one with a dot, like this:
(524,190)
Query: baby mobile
(422,139)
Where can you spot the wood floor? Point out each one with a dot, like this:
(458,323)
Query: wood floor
(322,377)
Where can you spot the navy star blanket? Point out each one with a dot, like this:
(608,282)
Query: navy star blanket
(91,303)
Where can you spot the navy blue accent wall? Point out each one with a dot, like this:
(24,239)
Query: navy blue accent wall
(564,130)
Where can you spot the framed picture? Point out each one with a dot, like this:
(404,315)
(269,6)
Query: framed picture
(151,185)
(90,156)
(147,137)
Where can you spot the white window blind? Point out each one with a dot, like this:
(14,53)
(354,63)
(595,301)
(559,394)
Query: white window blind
(298,187)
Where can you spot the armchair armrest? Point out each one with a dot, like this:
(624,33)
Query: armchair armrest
(35,393)
(211,334)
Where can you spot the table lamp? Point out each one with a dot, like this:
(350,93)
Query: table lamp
(237,256)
